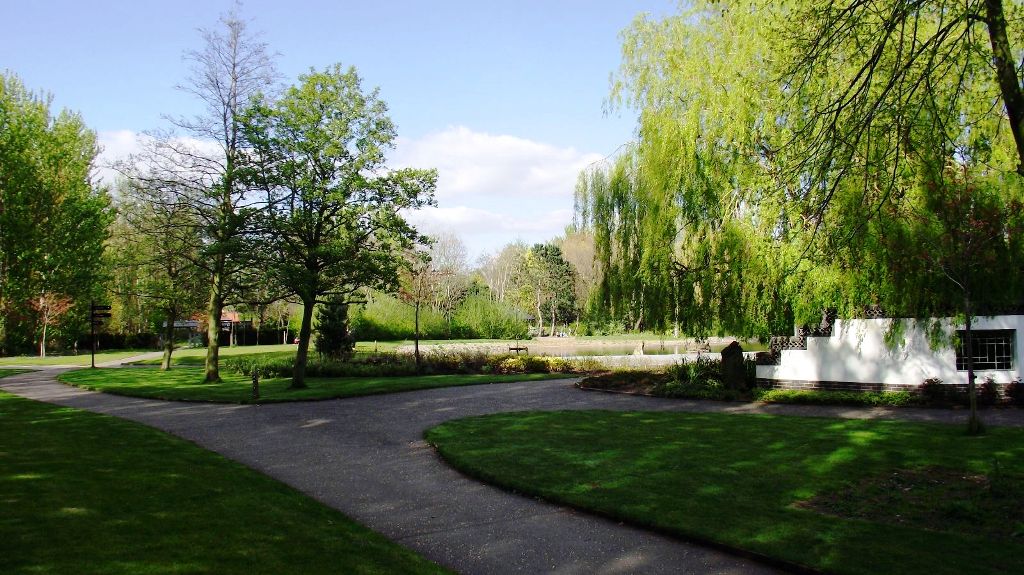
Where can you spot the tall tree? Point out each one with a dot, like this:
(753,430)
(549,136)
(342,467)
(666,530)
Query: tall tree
(53,222)
(549,282)
(781,145)
(232,67)
(333,207)
(500,270)
(160,245)
(448,275)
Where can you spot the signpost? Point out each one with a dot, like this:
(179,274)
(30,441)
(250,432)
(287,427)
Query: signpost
(96,315)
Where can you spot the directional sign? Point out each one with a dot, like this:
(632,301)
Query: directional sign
(100,307)
(97,322)
(100,314)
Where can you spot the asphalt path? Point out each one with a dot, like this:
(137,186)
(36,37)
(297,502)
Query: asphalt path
(366,457)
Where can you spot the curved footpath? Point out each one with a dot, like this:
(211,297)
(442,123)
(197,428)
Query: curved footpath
(366,457)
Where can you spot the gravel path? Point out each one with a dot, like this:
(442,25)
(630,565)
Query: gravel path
(366,457)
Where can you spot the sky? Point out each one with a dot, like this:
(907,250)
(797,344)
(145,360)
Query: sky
(506,100)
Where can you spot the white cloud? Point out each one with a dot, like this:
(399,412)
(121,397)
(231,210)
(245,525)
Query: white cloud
(494,189)
(476,164)
(114,146)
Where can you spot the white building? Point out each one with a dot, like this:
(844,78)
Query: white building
(856,356)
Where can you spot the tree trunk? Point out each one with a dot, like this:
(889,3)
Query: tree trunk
(214,311)
(301,357)
(416,338)
(1006,73)
(540,317)
(42,342)
(165,365)
(974,426)
(552,318)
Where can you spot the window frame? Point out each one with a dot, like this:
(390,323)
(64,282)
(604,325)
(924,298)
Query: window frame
(993,355)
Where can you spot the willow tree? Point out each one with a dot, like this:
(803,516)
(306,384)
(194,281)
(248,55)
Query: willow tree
(333,221)
(681,220)
(775,138)
(782,146)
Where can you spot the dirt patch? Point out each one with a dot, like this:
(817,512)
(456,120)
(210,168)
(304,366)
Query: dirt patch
(932,498)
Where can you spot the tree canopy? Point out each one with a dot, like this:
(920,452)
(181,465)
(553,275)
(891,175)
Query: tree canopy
(332,208)
(781,147)
(53,221)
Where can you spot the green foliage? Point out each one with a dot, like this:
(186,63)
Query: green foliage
(333,338)
(548,282)
(333,221)
(477,317)
(798,157)
(435,362)
(53,223)
(853,398)
(386,318)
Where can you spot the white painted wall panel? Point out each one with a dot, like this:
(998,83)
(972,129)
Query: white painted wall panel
(857,352)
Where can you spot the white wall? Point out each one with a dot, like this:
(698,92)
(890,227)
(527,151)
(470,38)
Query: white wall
(857,352)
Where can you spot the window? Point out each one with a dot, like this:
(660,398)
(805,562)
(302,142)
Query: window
(991,348)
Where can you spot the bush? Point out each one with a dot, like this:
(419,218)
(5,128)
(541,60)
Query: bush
(933,392)
(439,362)
(333,338)
(1015,392)
(988,392)
(856,398)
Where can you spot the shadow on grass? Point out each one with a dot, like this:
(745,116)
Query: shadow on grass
(733,480)
(85,493)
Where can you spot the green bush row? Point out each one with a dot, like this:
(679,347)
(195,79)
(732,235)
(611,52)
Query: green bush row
(400,364)
(855,398)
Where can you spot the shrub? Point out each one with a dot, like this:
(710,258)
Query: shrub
(933,392)
(437,362)
(1015,392)
(856,398)
(333,338)
(988,392)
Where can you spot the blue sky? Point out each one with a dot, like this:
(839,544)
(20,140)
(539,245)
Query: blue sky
(505,99)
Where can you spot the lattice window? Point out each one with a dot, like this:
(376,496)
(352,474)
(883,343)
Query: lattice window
(991,348)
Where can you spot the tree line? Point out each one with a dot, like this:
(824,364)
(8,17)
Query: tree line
(268,194)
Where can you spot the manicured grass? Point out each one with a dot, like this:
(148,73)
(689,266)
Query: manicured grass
(86,493)
(185,384)
(80,359)
(749,482)
(197,355)
(6,372)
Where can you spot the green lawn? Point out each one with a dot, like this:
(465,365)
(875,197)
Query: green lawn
(80,359)
(86,493)
(6,372)
(197,356)
(185,384)
(842,496)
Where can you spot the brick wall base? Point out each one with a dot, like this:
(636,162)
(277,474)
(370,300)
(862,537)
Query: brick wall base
(846,385)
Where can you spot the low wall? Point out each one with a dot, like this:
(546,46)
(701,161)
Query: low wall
(856,356)
(650,361)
